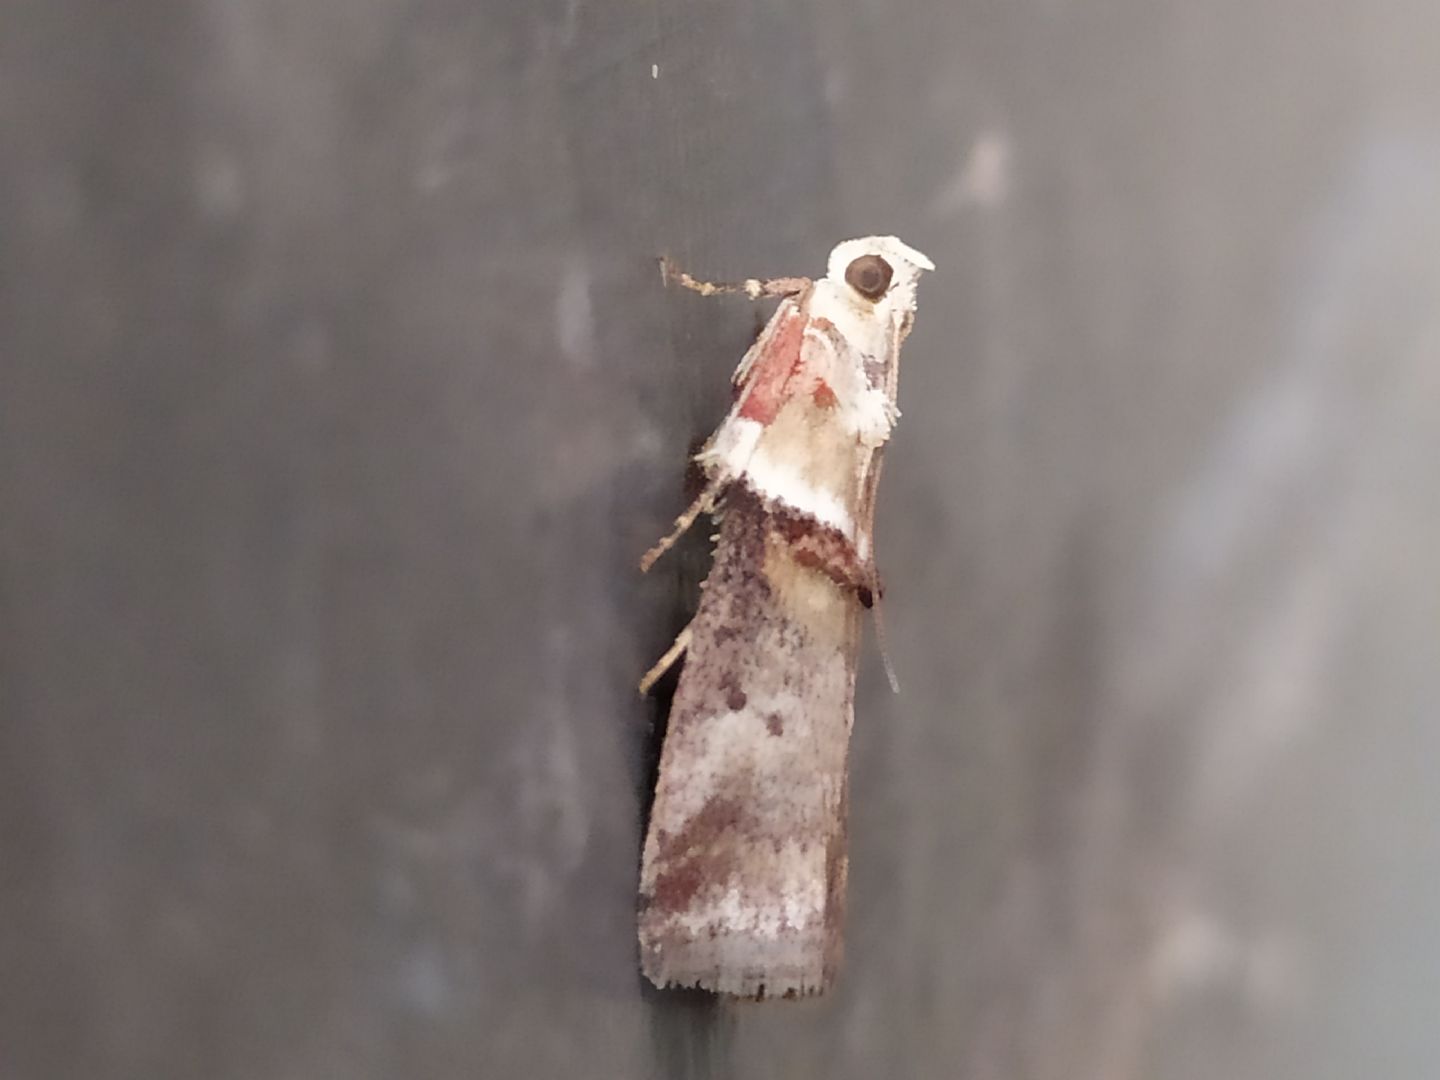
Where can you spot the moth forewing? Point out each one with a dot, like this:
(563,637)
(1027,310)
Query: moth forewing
(727,452)
(743,873)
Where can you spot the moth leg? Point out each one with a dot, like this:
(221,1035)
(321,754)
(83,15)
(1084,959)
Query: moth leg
(751,287)
(701,505)
(840,564)
(882,641)
(681,643)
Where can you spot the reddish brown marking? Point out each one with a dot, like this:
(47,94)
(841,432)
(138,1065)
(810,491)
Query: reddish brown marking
(735,698)
(837,570)
(767,389)
(674,890)
(824,397)
(775,724)
(697,854)
(824,548)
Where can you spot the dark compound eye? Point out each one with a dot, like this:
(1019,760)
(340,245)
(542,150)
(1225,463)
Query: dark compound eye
(869,275)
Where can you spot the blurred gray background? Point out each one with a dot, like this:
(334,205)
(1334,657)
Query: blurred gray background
(339,395)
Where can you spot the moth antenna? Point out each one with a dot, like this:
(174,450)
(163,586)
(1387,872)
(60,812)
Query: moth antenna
(754,288)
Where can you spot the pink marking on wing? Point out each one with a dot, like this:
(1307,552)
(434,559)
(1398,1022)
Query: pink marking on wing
(774,368)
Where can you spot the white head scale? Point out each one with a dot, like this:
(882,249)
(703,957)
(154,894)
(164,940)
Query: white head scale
(904,261)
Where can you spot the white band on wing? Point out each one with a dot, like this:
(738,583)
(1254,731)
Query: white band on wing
(781,481)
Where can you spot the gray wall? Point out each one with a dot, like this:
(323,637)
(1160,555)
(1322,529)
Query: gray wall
(339,395)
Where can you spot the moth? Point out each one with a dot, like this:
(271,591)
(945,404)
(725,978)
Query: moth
(742,887)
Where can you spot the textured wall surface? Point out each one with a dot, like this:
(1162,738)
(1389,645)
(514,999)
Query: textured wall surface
(339,396)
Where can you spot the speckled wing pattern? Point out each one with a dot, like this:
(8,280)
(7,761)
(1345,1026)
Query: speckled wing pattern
(744,871)
(743,875)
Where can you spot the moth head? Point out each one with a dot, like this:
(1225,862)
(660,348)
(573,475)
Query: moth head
(878,270)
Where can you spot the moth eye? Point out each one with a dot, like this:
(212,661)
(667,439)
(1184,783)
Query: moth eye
(869,275)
